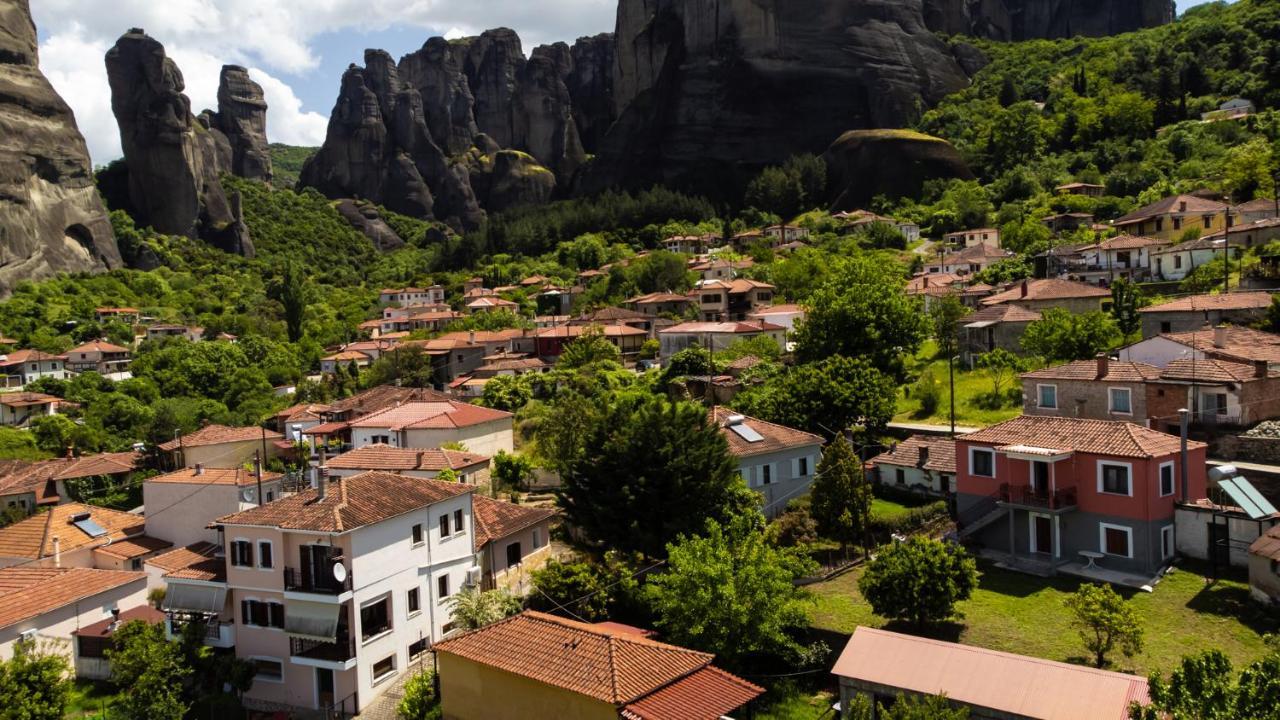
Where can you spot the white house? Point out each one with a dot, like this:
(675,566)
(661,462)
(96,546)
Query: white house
(470,468)
(48,604)
(195,497)
(716,336)
(22,366)
(1175,262)
(20,408)
(481,430)
(921,462)
(776,461)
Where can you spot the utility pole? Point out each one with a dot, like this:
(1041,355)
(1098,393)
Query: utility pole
(951,375)
(1226,249)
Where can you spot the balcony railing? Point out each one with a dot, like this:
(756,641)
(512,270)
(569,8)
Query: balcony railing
(1032,497)
(323,582)
(340,650)
(1211,417)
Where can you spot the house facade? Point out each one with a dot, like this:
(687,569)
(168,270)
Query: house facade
(18,409)
(98,356)
(776,461)
(723,301)
(23,366)
(1101,389)
(921,463)
(968,238)
(1196,311)
(995,326)
(481,430)
(48,604)
(224,446)
(194,497)
(1169,218)
(1041,295)
(428,463)
(716,336)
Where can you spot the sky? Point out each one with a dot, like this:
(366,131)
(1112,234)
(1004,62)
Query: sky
(295,49)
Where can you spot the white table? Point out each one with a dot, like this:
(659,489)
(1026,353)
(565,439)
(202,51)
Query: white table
(1091,556)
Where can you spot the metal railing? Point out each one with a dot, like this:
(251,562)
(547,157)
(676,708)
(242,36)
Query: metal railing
(1026,495)
(978,510)
(340,650)
(296,580)
(1210,417)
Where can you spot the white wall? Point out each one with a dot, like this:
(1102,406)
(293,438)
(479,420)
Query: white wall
(1158,351)
(187,509)
(58,624)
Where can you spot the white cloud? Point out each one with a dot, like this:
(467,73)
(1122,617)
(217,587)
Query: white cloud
(274,37)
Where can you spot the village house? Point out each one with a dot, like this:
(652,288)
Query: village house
(334,427)
(776,461)
(1196,311)
(550,342)
(98,356)
(408,319)
(222,446)
(194,497)
(18,409)
(1234,109)
(408,296)
(48,604)
(1079,188)
(660,303)
(90,643)
(23,366)
(127,315)
(472,386)
(481,430)
(714,269)
(691,244)
(1101,389)
(717,336)
(1091,498)
(511,542)
(786,233)
(968,238)
(1251,233)
(1176,262)
(614,671)
(884,665)
(1067,222)
(786,316)
(1061,261)
(1218,393)
(994,326)
(615,316)
(1040,295)
(468,467)
(970,260)
(491,304)
(850,222)
(28,485)
(1257,210)
(344,359)
(1264,567)
(1125,257)
(1224,342)
(720,301)
(1169,218)
(921,462)
(292,420)
(69,535)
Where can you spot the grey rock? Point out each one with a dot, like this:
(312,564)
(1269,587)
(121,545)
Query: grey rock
(51,217)
(242,118)
(507,179)
(590,84)
(437,75)
(492,64)
(856,162)
(365,218)
(1032,19)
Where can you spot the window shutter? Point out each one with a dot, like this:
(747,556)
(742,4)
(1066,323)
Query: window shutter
(795,467)
(773,472)
(244,612)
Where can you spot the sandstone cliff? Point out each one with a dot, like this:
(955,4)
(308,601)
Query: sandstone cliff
(1031,19)
(173,159)
(51,218)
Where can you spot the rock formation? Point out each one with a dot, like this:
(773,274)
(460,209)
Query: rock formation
(590,84)
(856,162)
(173,159)
(242,118)
(51,218)
(434,71)
(1031,19)
(365,218)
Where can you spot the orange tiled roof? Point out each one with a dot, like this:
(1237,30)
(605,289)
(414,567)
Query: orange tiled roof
(657,298)
(1208,370)
(27,399)
(1117,371)
(197,561)
(39,477)
(573,331)
(1227,301)
(1268,545)
(98,346)
(1008,312)
(1173,206)
(33,537)
(349,503)
(1096,437)
(424,415)
(495,519)
(382,396)
(21,356)
(214,476)
(737,327)
(706,694)
(1047,289)
(1128,242)
(942,454)
(27,592)
(1238,343)
(217,434)
(385,457)
(135,546)
(776,437)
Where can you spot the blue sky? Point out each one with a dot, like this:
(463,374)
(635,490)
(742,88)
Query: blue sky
(296,49)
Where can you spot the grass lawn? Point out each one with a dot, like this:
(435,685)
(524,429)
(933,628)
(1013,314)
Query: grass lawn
(88,698)
(969,385)
(789,702)
(1025,614)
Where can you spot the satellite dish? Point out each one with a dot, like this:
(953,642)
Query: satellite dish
(339,572)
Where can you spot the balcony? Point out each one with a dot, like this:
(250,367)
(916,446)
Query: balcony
(340,650)
(1027,497)
(318,582)
(1217,419)
(216,634)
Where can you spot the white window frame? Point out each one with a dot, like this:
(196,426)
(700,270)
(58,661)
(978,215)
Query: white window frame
(1111,406)
(257,676)
(257,548)
(1102,539)
(1173,479)
(1115,463)
(440,599)
(376,680)
(1040,396)
(973,450)
(1173,547)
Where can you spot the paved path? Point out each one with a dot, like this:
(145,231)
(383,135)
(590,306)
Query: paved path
(384,707)
(930,429)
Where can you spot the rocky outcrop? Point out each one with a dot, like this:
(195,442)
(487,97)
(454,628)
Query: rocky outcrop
(1031,19)
(492,65)
(504,179)
(51,218)
(365,218)
(590,85)
(173,160)
(857,162)
(707,90)
(435,72)
(242,118)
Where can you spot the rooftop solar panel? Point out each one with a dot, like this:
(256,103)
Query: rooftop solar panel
(90,528)
(747,433)
(1242,493)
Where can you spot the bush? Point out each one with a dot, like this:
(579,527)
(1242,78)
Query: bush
(419,701)
(929,392)
(912,520)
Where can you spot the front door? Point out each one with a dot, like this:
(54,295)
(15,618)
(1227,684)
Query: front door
(1042,532)
(1040,478)
(324,687)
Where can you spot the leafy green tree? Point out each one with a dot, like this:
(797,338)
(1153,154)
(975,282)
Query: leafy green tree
(652,469)
(825,397)
(945,314)
(592,591)
(420,701)
(507,392)
(1202,687)
(1000,366)
(1126,300)
(153,670)
(691,361)
(660,271)
(649,349)
(840,499)
(731,593)
(472,608)
(408,366)
(906,707)
(760,346)
(511,471)
(1062,335)
(1271,322)
(919,580)
(35,683)
(292,294)
(777,191)
(1105,622)
(560,433)
(590,347)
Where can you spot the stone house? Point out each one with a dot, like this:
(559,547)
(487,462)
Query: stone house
(1196,311)
(921,462)
(995,326)
(1041,295)
(1101,389)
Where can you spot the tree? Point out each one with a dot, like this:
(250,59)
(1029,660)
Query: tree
(35,683)
(1271,322)
(153,670)
(945,314)
(919,581)
(292,294)
(840,499)
(407,366)
(506,392)
(731,593)
(420,701)
(652,470)
(511,471)
(473,608)
(824,398)
(593,591)
(906,707)
(560,434)
(1202,687)
(590,347)
(1062,335)
(1105,622)
(1126,299)
(1000,366)
(777,191)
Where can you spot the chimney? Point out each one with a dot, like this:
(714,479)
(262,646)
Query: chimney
(471,337)
(57,552)
(71,452)
(1103,363)
(322,476)
(1023,292)
(1220,336)
(1182,206)
(199,469)
(1260,368)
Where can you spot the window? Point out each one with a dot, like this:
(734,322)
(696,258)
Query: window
(802,465)
(380,439)
(265,560)
(1177,262)
(241,553)
(384,668)
(1115,540)
(416,534)
(1159,224)
(1166,479)
(375,618)
(442,587)
(982,462)
(444,525)
(513,554)
(261,614)
(136,564)
(413,603)
(1166,542)
(900,476)
(271,495)
(537,538)
(1177,223)
(710,299)
(275,615)
(268,669)
(1120,400)
(458,525)
(766,474)
(1208,221)
(1166,327)
(1113,478)
(416,649)
(1047,396)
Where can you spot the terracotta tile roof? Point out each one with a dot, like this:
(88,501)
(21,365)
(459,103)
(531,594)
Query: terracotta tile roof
(27,399)
(27,592)
(347,355)
(217,434)
(32,538)
(775,437)
(1227,301)
(617,668)
(100,464)
(1047,289)
(1008,312)
(483,336)
(1096,437)
(658,298)
(104,628)
(197,561)
(707,694)
(1128,242)
(1009,685)
(425,415)
(303,411)
(350,503)
(1238,343)
(101,346)
(214,476)
(513,364)
(609,314)
(1173,206)
(382,396)
(483,302)
(1268,545)
(784,309)
(495,519)
(134,547)
(385,457)
(739,327)
(573,331)
(21,356)
(976,253)
(735,286)
(941,455)
(1117,371)
(1209,370)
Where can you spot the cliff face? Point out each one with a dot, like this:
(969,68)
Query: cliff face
(242,118)
(51,218)
(173,159)
(1031,19)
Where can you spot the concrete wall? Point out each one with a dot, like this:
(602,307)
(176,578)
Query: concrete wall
(1264,582)
(1154,323)
(471,691)
(188,510)
(57,625)
(516,578)
(484,439)
(1192,533)
(786,481)
(914,478)
(1079,531)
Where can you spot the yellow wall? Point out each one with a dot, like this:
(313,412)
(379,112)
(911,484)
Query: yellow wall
(471,691)
(1147,228)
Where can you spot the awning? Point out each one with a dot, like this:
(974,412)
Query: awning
(311,620)
(182,597)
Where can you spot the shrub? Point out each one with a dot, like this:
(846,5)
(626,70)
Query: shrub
(929,392)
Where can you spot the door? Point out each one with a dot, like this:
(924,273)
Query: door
(1219,551)
(324,687)
(1040,478)
(1043,534)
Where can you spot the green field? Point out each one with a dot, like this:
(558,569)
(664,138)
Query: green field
(969,386)
(1024,614)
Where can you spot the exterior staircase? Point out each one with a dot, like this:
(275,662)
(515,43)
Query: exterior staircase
(979,516)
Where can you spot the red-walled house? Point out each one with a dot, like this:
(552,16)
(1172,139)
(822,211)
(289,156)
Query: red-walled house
(1046,489)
